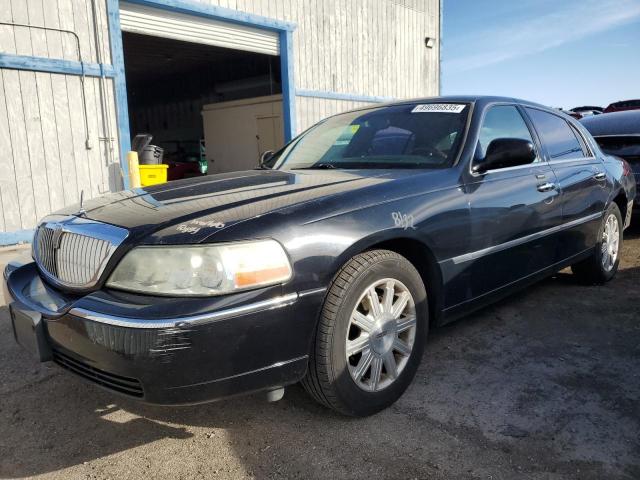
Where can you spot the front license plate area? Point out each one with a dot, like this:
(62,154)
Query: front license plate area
(28,330)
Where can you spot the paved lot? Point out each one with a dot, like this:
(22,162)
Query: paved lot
(543,385)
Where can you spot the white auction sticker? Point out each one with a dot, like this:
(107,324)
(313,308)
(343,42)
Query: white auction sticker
(438,108)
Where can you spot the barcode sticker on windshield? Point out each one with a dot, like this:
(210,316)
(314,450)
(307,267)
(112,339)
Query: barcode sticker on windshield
(438,108)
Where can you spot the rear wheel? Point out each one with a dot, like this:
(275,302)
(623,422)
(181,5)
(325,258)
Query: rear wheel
(603,264)
(371,334)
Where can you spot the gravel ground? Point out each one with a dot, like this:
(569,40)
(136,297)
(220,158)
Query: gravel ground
(543,385)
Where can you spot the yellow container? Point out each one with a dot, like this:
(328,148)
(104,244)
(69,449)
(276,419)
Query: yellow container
(153,174)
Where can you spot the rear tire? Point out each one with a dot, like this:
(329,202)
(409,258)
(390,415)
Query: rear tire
(603,264)
(370,336)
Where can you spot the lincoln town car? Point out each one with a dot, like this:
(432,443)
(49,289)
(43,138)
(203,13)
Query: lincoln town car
(329,262)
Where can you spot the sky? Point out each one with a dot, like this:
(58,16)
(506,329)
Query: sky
(561,53)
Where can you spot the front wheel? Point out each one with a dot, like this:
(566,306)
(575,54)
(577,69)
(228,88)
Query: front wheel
(603,264)
(371,334)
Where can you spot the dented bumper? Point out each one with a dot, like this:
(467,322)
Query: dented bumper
(167,350)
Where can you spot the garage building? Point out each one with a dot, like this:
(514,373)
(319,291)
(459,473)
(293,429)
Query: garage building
(217,81)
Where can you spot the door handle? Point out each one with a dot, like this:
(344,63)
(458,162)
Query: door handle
(600,176)
(545,187)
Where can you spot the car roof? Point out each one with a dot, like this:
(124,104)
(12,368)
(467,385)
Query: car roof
(615,123)
(480,100)
(585,108)
(625,103)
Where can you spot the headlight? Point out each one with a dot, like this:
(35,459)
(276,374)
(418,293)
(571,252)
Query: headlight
(202,270)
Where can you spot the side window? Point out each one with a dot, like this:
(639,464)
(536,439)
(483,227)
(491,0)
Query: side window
(557,136)
(502,121)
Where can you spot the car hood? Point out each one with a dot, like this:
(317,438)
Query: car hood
(196,208)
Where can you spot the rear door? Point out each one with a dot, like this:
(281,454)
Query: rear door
(512,210)
(581,180)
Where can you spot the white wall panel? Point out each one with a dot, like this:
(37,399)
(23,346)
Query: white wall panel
(364,47)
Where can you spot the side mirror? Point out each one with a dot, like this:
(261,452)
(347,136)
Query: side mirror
(265,157)
(506,152)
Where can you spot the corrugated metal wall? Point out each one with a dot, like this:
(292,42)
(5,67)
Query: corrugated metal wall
(366,47)
(46,119)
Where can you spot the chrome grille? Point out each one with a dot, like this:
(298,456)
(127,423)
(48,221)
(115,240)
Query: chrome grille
(74,252)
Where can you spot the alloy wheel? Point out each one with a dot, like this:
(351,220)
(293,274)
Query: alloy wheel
(381,334)
(610,242)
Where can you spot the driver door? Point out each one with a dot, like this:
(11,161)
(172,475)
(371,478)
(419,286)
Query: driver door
(512,210)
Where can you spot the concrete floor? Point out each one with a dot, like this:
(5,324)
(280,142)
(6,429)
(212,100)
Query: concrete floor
(544,385)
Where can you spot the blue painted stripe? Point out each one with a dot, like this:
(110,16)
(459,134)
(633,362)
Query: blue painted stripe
(288,89)
(201,9)
(120,86)
(13,238)
(342,96)
(55,65)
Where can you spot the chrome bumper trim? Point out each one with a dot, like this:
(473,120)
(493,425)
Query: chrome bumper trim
(186,322)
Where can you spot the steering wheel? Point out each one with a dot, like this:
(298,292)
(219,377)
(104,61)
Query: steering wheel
(429,151)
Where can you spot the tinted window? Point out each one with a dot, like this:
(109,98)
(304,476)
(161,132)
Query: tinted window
(556,134)
(397,136)
(391,141)
(503,121)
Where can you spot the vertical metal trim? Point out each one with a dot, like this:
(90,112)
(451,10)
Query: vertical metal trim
(440,36)
(120,86)
(288,85)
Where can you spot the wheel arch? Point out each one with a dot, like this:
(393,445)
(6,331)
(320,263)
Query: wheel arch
(620,199)
(418,253)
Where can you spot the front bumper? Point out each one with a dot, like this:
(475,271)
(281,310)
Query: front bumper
(172,351)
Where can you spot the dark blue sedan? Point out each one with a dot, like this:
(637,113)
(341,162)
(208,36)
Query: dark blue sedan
(618,134)
(328,268)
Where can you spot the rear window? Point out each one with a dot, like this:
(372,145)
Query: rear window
(557,136)
(627,147)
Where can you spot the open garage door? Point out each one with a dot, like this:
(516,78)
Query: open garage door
(190,28)
(207,92)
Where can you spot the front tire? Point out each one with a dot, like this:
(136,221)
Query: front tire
(371,334)
(603,264)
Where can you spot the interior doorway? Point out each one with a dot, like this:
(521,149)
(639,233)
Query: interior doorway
(173,83)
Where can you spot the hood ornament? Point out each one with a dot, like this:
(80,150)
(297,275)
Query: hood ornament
(81,211)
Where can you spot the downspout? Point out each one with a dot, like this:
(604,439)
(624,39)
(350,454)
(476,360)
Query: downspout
(87,140)
(106,127)
(440,50)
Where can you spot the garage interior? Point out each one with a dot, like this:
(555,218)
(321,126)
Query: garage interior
(187,96)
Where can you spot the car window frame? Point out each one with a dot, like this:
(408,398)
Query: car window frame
(584,145)
(532,132)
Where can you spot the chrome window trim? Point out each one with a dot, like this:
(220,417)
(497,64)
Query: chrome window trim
(517,167)
(572,127)
(189,321)
(616,135)
(519,241)
(582,139)
(573,160)
(83,227)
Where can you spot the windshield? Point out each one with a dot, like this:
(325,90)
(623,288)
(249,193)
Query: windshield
(399,136)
